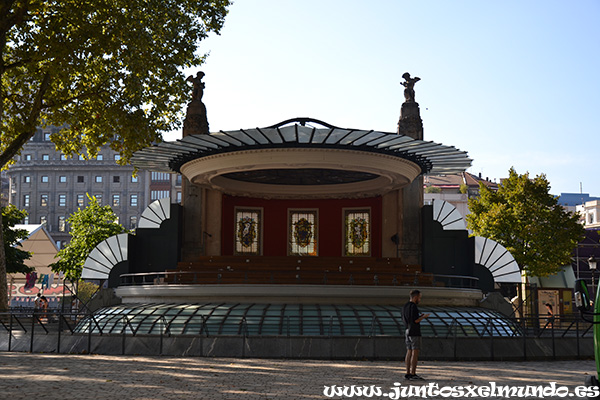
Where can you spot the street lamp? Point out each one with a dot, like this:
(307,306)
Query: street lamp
(592,264)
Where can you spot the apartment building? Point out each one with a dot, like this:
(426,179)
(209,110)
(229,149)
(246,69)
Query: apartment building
(50,186)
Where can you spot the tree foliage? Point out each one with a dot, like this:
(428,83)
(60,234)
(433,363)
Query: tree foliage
(106,71)
(15,257)
(526,219)
(89,226)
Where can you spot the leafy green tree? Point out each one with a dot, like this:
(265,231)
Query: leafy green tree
(15,257)
(85,291)
(89,226)
(107,72)
(526,219)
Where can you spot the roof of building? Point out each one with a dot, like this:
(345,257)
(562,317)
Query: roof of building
(40,244)
(456,180)
(575,199)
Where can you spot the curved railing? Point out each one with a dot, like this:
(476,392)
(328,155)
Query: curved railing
(298,278)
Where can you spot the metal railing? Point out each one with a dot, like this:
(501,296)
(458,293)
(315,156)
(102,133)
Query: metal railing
(54,326)
(298,277)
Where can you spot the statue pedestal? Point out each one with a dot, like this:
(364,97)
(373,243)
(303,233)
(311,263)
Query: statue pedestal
(195,121)
(410,123)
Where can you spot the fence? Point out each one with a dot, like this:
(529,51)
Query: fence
(565,336)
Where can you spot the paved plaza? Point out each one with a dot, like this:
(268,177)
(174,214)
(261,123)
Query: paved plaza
(50,376)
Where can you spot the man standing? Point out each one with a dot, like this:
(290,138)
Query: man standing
(412,319)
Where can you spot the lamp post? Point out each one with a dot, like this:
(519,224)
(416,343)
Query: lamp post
(592,264)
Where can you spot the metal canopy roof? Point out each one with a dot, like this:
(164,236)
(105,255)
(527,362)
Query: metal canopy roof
(433,158)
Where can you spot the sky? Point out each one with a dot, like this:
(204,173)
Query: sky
(513,83)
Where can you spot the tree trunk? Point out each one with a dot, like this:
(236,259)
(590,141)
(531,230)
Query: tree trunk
(11,150)
(3,280)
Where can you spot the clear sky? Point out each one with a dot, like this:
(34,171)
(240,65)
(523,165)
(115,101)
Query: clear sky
(513,83)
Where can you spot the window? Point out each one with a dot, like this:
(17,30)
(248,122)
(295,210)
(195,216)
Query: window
(302,233)
(61,224)
(25,200)
(357,232)
(43,220)
(116,179)
(80,200)
(99,198)
(178,180)
(99,157)
(27,179)
(45,157)
(62,179)
(47,136)
(98,179)
(63,157)
(44,200)
(133,200)
(134,179)
(45,179)
(117,157)
(81,157)
(591,218)
(80,179)
(178,197)
(26,220)
(62,200)
(117,220)
(248,231)
(158,194)
(27,157)
(132,222)
(116,200)
(160,177)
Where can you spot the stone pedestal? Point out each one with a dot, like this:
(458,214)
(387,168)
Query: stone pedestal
(192,195)
(410,123)
(411,196)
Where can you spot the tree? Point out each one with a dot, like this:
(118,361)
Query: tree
(526,219)
(15,257)
(107,72)
(89,227)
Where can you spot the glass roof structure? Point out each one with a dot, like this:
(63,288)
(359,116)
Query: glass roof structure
(216,319)
(433,158)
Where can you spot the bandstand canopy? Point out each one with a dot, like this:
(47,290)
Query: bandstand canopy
(300,160)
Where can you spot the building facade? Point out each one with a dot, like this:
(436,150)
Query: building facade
(51,187)
(456,189)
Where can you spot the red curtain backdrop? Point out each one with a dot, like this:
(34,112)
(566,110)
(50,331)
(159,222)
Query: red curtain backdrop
(275,223)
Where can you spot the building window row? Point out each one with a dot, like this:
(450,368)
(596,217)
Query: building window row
(80,200)
(80,179)
(62,222)
(62,157)
(160,177)
(159,194)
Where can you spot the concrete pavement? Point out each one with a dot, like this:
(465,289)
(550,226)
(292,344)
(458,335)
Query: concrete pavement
(62,376)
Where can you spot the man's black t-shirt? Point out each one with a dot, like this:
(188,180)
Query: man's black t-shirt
(410,313)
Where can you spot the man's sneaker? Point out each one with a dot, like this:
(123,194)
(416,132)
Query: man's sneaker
(408,376)
(416,378)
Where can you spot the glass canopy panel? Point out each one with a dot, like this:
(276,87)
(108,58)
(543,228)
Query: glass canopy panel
(257,136)
(337,135)
(292,319)
(368,138)
(320,135)
(288,133)
(241,136)
(305,134)
(272,135)
(353,136)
